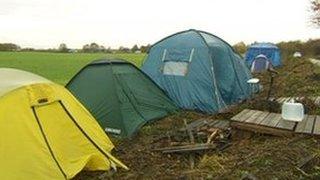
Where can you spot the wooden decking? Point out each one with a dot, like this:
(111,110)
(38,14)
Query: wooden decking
(315,99)
(272,123)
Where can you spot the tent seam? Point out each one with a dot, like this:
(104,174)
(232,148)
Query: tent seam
(47,142)
(83,132)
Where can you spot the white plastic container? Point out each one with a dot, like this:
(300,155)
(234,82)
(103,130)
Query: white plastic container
(292,111)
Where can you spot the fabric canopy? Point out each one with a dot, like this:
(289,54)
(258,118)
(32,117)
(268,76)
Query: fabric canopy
(198,70)
(45,132)
(120,96)
(271,51)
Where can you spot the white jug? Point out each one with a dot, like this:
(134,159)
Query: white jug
(292,111)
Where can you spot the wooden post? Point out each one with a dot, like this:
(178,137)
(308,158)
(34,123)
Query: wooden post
(191,155)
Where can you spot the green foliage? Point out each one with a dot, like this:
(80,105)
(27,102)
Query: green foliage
(135,48)
(63,47)
(9,47)
(58,67)
(93,48)
(309,48)
(240,47)
(145,49)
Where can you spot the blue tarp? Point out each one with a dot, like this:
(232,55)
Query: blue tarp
(271,51)
(198,70)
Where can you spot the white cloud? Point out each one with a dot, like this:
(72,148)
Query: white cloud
(46,23)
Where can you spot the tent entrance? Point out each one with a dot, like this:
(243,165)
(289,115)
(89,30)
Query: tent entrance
(50,118)
(45,138)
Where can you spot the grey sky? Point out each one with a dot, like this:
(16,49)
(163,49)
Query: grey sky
(47,23)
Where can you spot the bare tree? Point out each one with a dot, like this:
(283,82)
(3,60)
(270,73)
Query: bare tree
(315,8)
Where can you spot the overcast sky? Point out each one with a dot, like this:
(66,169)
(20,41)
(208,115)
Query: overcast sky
(47,23)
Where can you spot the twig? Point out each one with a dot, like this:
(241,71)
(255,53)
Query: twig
(212,135)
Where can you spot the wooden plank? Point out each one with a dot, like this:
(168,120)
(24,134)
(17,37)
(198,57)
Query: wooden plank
(222,124)
(247,115)
(262,117)
(239,115)
(292,98)
(213,123)
(186,148)
(262,129)
(266,120)
(301,125)
(286,99)
(317,101)
(295,99)
(284,124)
(197,123)
(309,125)
(271,120)
(313,98)
(300,98)
(316,129)
(253,117)
(306,125)
(280,100)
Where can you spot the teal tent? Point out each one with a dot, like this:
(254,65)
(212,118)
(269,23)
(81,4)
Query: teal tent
(120,96)
(199,71)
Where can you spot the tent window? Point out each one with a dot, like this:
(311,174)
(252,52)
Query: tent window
(175,68)
(176,61)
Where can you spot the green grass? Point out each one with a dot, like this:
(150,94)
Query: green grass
(58,67)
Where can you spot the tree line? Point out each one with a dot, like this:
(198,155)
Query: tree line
(87,48)
(309,48)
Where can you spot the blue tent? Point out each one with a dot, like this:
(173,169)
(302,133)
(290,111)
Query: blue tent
(268,49)
(260,64)
(198,70)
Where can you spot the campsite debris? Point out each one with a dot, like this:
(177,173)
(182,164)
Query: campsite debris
(308,162)
(312,100)
(202,135)
(187,148)
(248,176)
(272,123)
(191,155)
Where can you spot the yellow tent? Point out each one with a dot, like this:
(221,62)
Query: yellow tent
(45,133)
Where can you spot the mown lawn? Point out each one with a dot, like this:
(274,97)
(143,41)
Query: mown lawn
(58,67)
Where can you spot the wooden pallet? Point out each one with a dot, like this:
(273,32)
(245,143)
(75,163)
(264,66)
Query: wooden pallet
(219,124)
(272,123)
(315,99)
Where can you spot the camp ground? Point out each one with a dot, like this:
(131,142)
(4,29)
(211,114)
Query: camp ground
(120,96)
(48,134)
(130,90)
(67,130)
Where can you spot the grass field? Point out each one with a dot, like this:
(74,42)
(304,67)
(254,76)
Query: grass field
(58,67)
(262,156)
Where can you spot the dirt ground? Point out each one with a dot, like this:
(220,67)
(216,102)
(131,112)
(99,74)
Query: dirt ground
(250,156)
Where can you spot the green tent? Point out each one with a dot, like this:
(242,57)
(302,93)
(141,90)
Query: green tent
(120,96)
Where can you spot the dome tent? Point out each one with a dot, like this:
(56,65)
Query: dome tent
(198,70)
(261,63)
(119,95)
(271,51)
(46,133)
